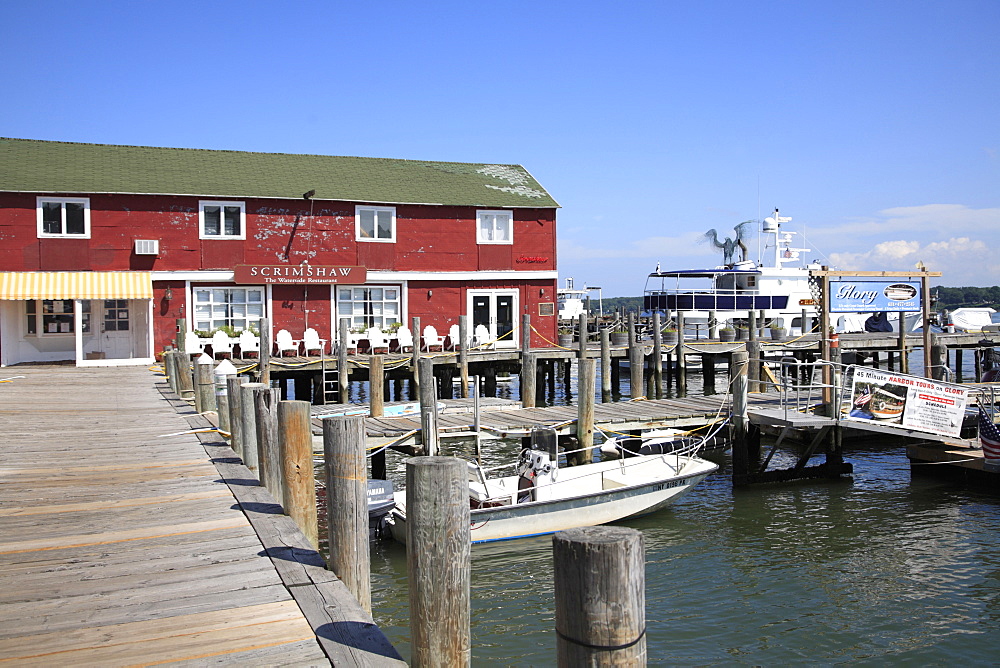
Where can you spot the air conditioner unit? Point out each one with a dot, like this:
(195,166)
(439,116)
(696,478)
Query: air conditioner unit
(147,247)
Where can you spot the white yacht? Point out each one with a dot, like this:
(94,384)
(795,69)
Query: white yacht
(778,284)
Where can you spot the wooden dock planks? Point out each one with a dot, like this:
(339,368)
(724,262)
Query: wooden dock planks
(118,547)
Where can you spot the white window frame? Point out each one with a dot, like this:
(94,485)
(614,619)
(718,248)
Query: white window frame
(222,221)
(39,318)
(251,320)
(357,223)
(372,312)
(494,214)
(85,201)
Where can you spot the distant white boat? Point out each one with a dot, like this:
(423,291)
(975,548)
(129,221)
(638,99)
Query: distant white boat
(544,498)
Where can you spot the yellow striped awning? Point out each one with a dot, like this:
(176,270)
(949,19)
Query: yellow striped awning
(76,285)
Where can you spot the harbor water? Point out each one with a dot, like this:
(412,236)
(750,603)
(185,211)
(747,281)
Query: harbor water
(891,565)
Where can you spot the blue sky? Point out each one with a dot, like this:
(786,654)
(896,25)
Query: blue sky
(874,125)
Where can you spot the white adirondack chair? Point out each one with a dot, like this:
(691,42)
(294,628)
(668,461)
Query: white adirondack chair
(192,344)
(378,341)
(404,337)
(284,342)
(431,339)
(482,337)
(454,334)
(311,341)
(249,344)
(221,344)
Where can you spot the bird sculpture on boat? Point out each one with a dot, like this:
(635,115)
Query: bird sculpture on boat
(729,245)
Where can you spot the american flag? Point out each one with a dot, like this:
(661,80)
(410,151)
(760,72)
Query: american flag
(989,436)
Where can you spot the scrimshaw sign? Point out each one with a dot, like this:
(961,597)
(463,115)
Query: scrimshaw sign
(297,273)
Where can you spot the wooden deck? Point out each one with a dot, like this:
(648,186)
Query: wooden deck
(119,547)
(505,419)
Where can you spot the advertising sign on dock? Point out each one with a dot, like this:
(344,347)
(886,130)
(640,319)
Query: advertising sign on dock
(908,401)
(864,296)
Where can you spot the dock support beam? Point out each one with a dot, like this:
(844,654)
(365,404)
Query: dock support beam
(585,410)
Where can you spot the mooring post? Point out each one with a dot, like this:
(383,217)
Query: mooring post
(585,410)
(248,434)
(205,380)
(605,365)
(418,340)
(681,357)
(713,325)
(180,335)
(170,370)
(657,356)
(708,372)
(343,375)
(376,385)
(738,383)
(295,433)
(269,444)
(959,376)
(463,353)
(939,359)
(600,597)
(636,360)
(904,360)
(428,406)
(529,376)
(223,373)
(438,561)
(347,504)
(235,413)
(264,354)
(525,332)
(185,377)
(583,336)
(753,367)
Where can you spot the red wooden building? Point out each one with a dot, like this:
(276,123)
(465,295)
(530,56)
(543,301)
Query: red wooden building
(103,248)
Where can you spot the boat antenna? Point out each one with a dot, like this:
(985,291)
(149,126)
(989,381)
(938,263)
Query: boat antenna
(759,235)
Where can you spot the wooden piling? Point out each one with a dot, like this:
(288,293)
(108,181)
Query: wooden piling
(959,376)
(529,376)
(939,360)
(205,385)
(904,361)
(347,504)
(428,406)
(264,354)
(753,368)
(376,382)
(235,412)
(600,597)
(586,376)
(418,340)
(295,433)
(438,561)
(657,356)
(343,375)
(739,362)
(605,365)
(583,336)
(636,360)
(170,370)
(248,414)
(269,444)
(708,372)
(681,358)
(185,377)
(713,325)
(463,352)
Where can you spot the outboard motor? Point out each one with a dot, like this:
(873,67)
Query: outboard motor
(534,469)
(380,502)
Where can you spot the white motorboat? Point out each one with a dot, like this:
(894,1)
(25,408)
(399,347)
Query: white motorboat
(543,498)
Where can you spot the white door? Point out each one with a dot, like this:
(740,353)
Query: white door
(497,311)
(116,328)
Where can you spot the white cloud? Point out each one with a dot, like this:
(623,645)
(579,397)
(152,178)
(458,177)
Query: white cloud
(962,260)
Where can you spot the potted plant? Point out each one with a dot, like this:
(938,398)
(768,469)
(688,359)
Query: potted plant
(565,337)
(742,332)
(619,335)
(669,336)
(777,331)
(727,334)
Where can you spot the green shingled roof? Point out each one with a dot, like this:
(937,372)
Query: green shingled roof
(60,167)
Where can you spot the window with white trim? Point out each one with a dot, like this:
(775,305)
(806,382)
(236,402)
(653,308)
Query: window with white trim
(63,217)
(368,305)
(238,308)
(375,223)
(49,317)
(221,220)
(494,227)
